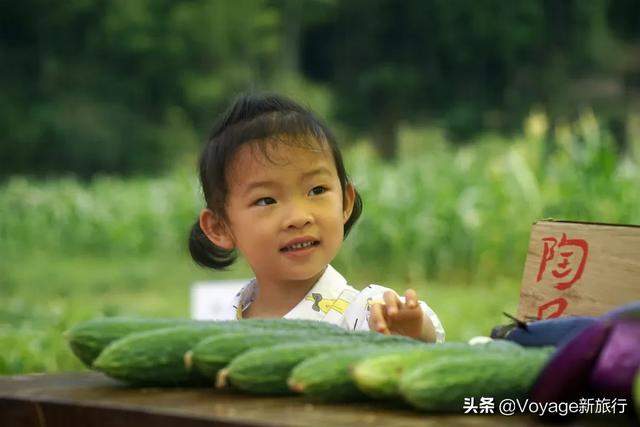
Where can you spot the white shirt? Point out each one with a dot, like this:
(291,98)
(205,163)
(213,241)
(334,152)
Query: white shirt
(331,300)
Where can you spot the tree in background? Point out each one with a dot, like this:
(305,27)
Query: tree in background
(624,114)
(464,65)
(118,86)
(125,86)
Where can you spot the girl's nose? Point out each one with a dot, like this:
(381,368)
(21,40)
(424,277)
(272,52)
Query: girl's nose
(298,216)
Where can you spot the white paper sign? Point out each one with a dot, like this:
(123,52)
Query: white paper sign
(208,299)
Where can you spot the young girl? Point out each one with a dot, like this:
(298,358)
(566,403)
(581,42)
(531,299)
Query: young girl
(276,190)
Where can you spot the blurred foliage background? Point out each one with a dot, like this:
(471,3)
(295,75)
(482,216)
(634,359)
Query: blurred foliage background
(462,122)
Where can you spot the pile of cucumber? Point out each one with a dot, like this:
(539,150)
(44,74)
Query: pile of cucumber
(316,359)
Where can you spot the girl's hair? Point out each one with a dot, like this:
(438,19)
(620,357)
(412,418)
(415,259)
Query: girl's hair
(256,119)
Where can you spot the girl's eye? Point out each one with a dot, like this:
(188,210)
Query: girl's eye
(318,190)
(265,201)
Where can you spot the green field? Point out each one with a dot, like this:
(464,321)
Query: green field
(453,223)
(47,294)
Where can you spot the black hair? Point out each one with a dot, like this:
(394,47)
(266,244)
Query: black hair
(255,118)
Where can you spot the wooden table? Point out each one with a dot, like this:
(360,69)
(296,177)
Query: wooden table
(91,399)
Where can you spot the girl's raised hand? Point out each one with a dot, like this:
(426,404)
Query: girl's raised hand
(395,317)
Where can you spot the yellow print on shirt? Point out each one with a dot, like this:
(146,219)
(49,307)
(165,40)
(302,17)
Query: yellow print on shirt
(324,305)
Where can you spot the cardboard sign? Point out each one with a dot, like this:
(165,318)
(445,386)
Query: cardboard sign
(579,269)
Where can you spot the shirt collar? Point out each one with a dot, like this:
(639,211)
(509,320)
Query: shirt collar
(330,285)
(327,289)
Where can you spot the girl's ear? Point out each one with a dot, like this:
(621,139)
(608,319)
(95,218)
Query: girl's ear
(215,229)
(349,200)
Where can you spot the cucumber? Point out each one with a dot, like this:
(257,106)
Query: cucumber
(88,339)
(442,385)
(378,376)
(326,376)
(157,357)
(214,353)
(265,370)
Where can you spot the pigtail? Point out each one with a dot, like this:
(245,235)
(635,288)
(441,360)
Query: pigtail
(207,254)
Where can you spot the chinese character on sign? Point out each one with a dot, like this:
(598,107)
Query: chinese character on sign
(570,257)
(553,308)
(470,406)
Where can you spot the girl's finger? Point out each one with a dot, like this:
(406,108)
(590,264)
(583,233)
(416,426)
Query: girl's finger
(411,298)
(377,320)
(392,302)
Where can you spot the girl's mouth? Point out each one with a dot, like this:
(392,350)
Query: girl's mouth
(300,247)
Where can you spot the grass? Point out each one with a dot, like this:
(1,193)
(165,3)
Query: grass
(48,293)
(45,294)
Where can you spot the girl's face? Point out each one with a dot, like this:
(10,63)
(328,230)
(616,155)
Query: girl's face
(294,197)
